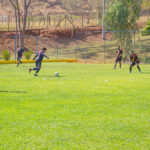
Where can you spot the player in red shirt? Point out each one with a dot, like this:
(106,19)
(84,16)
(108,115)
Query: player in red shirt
(134,60)
(119,54)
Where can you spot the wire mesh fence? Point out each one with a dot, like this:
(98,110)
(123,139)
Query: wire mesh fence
(57,48)
(87,46)
(93,48)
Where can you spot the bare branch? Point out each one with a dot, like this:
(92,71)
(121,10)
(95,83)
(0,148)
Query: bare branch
(12,3)
(28,4)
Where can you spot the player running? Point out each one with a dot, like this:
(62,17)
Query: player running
(134,60)
(39,59)
(119,54)
(20,54)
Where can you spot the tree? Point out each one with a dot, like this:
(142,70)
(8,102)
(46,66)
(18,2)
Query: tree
(21,9)
(122,17)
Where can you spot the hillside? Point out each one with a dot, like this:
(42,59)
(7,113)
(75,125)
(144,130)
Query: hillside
(54,7)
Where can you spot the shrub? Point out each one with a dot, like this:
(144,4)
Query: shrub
(148,22)
(6,55)
(146,30)
(28,55)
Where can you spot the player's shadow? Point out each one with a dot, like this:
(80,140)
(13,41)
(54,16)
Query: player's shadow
(52,76)
(13,92)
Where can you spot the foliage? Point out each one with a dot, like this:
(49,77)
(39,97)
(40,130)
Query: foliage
(122,17)
(28,55)
(146,30)
(6,55)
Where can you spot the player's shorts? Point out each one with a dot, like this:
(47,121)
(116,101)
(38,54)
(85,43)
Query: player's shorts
(19,58)
(38,64)
(118,59)
(134,63)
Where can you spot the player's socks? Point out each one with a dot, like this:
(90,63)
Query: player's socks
(130,69)
(120,66)
(139,68)
(30,70)
(17,64)
(114,67)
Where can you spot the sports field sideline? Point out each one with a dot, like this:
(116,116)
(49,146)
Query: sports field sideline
(90,106)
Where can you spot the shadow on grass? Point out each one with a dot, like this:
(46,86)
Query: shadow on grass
(51,76)
(13,92)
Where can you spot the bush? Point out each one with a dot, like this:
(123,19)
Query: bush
(146,30)
(28,55)
(6,55)
(148,22)
(146,59)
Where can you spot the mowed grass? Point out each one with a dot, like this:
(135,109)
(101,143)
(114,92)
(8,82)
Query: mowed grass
(89,107)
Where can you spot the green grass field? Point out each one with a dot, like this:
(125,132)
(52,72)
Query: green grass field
(89,107)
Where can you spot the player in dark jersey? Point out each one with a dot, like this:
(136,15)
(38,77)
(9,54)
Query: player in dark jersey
(134,60)
(20,54)
(39,58)
(119,54)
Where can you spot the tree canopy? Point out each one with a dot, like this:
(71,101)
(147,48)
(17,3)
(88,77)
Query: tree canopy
(122,17)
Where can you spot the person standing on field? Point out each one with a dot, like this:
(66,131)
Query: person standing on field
(119,54)
(134,60)
(20,54)
(39,58)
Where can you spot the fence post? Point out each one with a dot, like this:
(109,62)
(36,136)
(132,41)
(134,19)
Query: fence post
(57,48)
(104,48)
(134,39)
(15,38)
(36,44)
(76,49)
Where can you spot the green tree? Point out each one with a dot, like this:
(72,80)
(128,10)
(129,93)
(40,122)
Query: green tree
(122,17)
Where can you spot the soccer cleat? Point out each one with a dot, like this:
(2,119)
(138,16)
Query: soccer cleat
(130,72)
(140,71)
(114,67)
(119,67)
(35,75)
(30,70)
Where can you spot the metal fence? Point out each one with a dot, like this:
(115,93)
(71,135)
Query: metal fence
(93,48)
(57,48)
(85,46)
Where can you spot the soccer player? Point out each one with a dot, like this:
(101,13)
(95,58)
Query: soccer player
(119,54)
(134,60)
(20,54)
(39,59)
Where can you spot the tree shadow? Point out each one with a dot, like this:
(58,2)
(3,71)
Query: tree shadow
(13,92)
(51,76)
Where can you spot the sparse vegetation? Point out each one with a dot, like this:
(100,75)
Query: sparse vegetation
(28,54)
(6,55)
(146,30)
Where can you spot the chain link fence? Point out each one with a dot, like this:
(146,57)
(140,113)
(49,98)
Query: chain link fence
(57,48)
(85,46)
(93,48)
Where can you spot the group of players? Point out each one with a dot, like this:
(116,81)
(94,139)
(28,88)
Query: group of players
(134,60)
(39,57)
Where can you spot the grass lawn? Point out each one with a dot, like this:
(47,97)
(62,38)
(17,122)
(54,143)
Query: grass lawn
(89,107)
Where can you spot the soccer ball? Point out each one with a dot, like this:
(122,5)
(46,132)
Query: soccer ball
(56,74)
